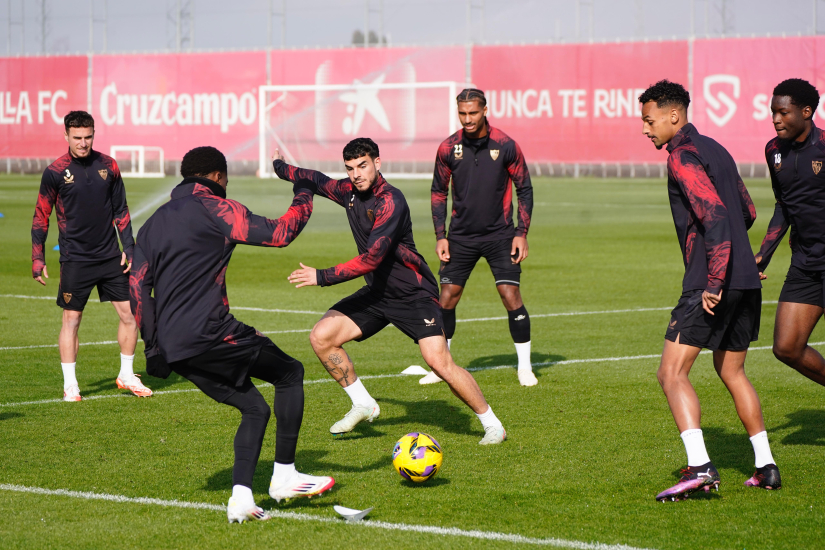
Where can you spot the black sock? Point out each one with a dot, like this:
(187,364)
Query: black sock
(449,322)
(519,325)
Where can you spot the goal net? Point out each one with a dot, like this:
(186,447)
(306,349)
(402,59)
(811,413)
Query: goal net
(311,124)
(139,161)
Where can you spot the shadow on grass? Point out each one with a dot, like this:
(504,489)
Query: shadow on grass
(728,451)
(452,417)
(10,415)
(536,358)
(429,484)
(810,426)
(106,385)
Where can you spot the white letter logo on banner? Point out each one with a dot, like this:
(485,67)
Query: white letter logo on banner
(721,98)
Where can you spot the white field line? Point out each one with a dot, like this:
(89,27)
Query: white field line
(532,316)
(394,375)
(383,525)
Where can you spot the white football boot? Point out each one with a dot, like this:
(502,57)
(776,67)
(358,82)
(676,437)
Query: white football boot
(72,393)
(357,414)
(300,485)
(237,512)
(527,378)
(494,435)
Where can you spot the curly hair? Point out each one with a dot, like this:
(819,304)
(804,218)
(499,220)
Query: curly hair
(472,94)
(802,93)
(359,147)
(201,161)
(78,119)
(666,94)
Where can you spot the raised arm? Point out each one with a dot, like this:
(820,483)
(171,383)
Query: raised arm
(241,226)
(708,209)
(517,168)
(439,190)
(120,211)
(334,190)
(141,281)
(40,223)
(388,216)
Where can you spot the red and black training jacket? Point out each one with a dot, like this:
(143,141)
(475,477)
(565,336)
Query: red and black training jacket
(712,211)
(91,210)
(182,253)
(380,222)
(798,181)
(481,172)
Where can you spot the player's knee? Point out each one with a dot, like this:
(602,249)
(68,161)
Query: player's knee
(294,374)
(320,338)
(71,319)
(258,409)
(665,375)
(786,353)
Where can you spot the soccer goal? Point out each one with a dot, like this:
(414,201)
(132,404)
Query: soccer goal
(139,161)
(310,124)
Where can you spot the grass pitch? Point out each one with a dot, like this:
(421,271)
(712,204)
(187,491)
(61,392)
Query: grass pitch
(588,448)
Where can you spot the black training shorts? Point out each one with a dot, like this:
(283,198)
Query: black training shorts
(734,325)
(77,279)
(803,287)
(465,254)
(416,318)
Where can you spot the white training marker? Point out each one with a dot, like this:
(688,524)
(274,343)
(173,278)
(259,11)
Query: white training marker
(415,370)
(352,515)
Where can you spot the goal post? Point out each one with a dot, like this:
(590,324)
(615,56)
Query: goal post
(134,162)
(311,123)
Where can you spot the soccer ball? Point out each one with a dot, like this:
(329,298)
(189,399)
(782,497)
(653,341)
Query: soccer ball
(417,457)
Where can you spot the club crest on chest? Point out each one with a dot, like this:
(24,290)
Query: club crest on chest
(103,173)
(494,153)
(817,166)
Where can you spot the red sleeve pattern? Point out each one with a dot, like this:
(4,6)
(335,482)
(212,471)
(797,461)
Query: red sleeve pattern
(748,209)
(334,190)
(708,209)
(40,223)
(440,188)
(241,226)
(383,237)
(524,190)
(141,301)
(120,210)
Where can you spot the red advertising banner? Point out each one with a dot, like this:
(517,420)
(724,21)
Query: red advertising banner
(577,102)
(407,122)
(35,95)
(179,101)
(734,81)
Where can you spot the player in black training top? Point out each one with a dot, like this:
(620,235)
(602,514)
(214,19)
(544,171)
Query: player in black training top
(721,298)
(795,160)
(484,164)
(87,190)
(400,287)
(178,295)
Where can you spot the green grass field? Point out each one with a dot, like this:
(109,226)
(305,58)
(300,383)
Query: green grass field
(588,448)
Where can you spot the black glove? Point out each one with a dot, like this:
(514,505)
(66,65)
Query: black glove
(307,184)
(157,366)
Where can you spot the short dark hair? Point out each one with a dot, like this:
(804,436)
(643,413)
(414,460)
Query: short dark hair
(78,119)
(666,93)
(359,147)
(472,94)
(202,161)
(802,93)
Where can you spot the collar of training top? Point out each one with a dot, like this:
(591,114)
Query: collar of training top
(477,143)
(813,136)
(374,188)
(85,161)
(206,182)
(677,139)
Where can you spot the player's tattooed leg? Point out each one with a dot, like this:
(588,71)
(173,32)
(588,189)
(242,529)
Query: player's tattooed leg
(339,366)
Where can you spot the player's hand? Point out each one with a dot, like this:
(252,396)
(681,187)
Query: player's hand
(277,155)
(442,250)
(124,261)
(709,301)
(762,276)
(306,276)
(44,274)
(519,250)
